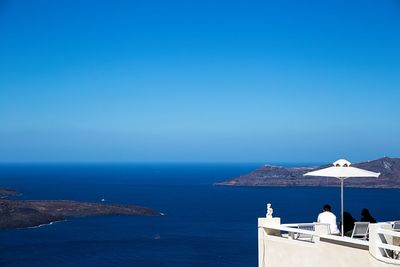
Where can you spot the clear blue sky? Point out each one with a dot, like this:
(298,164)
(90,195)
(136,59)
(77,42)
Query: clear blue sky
(261,81)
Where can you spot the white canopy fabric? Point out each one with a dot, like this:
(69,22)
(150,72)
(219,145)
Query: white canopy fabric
(343,172)
(341,169)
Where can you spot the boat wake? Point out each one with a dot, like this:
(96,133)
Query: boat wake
(45,224)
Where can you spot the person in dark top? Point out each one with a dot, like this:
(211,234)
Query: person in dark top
(348,223)
(366,216)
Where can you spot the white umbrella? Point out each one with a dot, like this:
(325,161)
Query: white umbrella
(341,169)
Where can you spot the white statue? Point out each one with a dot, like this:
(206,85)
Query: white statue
(269,210)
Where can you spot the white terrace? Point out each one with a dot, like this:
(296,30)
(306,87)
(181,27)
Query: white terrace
(292,245)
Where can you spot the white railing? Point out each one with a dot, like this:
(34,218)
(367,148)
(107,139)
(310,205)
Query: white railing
(273,235)
(382,248)
(385,243)
(321,230)
(295,231)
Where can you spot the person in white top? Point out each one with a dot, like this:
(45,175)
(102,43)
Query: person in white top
(328,217)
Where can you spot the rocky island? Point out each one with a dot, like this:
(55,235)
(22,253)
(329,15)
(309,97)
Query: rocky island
(30,213)
(269,175)
(7,192)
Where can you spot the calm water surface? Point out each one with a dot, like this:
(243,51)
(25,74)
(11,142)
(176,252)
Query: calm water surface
(204,225)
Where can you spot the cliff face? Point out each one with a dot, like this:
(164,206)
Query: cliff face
(293,176)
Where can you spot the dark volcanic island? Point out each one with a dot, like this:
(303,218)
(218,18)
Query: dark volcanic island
(269,175)
(6,192)
(29,213)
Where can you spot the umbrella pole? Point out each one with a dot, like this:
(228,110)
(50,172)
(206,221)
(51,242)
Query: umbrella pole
(341,202)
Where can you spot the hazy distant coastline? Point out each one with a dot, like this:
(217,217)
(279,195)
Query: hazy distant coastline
(279,176)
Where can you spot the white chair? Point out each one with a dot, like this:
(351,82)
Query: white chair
(396,226)
(386,252)
(308,227)
(360,230)
(325,227)
(396,240)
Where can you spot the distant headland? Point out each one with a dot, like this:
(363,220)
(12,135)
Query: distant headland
(279,176)
(30,213)
(7,192)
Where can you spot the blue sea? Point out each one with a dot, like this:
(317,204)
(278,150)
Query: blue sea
(204,225)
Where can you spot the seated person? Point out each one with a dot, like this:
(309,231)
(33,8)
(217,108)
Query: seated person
(348,223)
(328,217)
(366,216)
